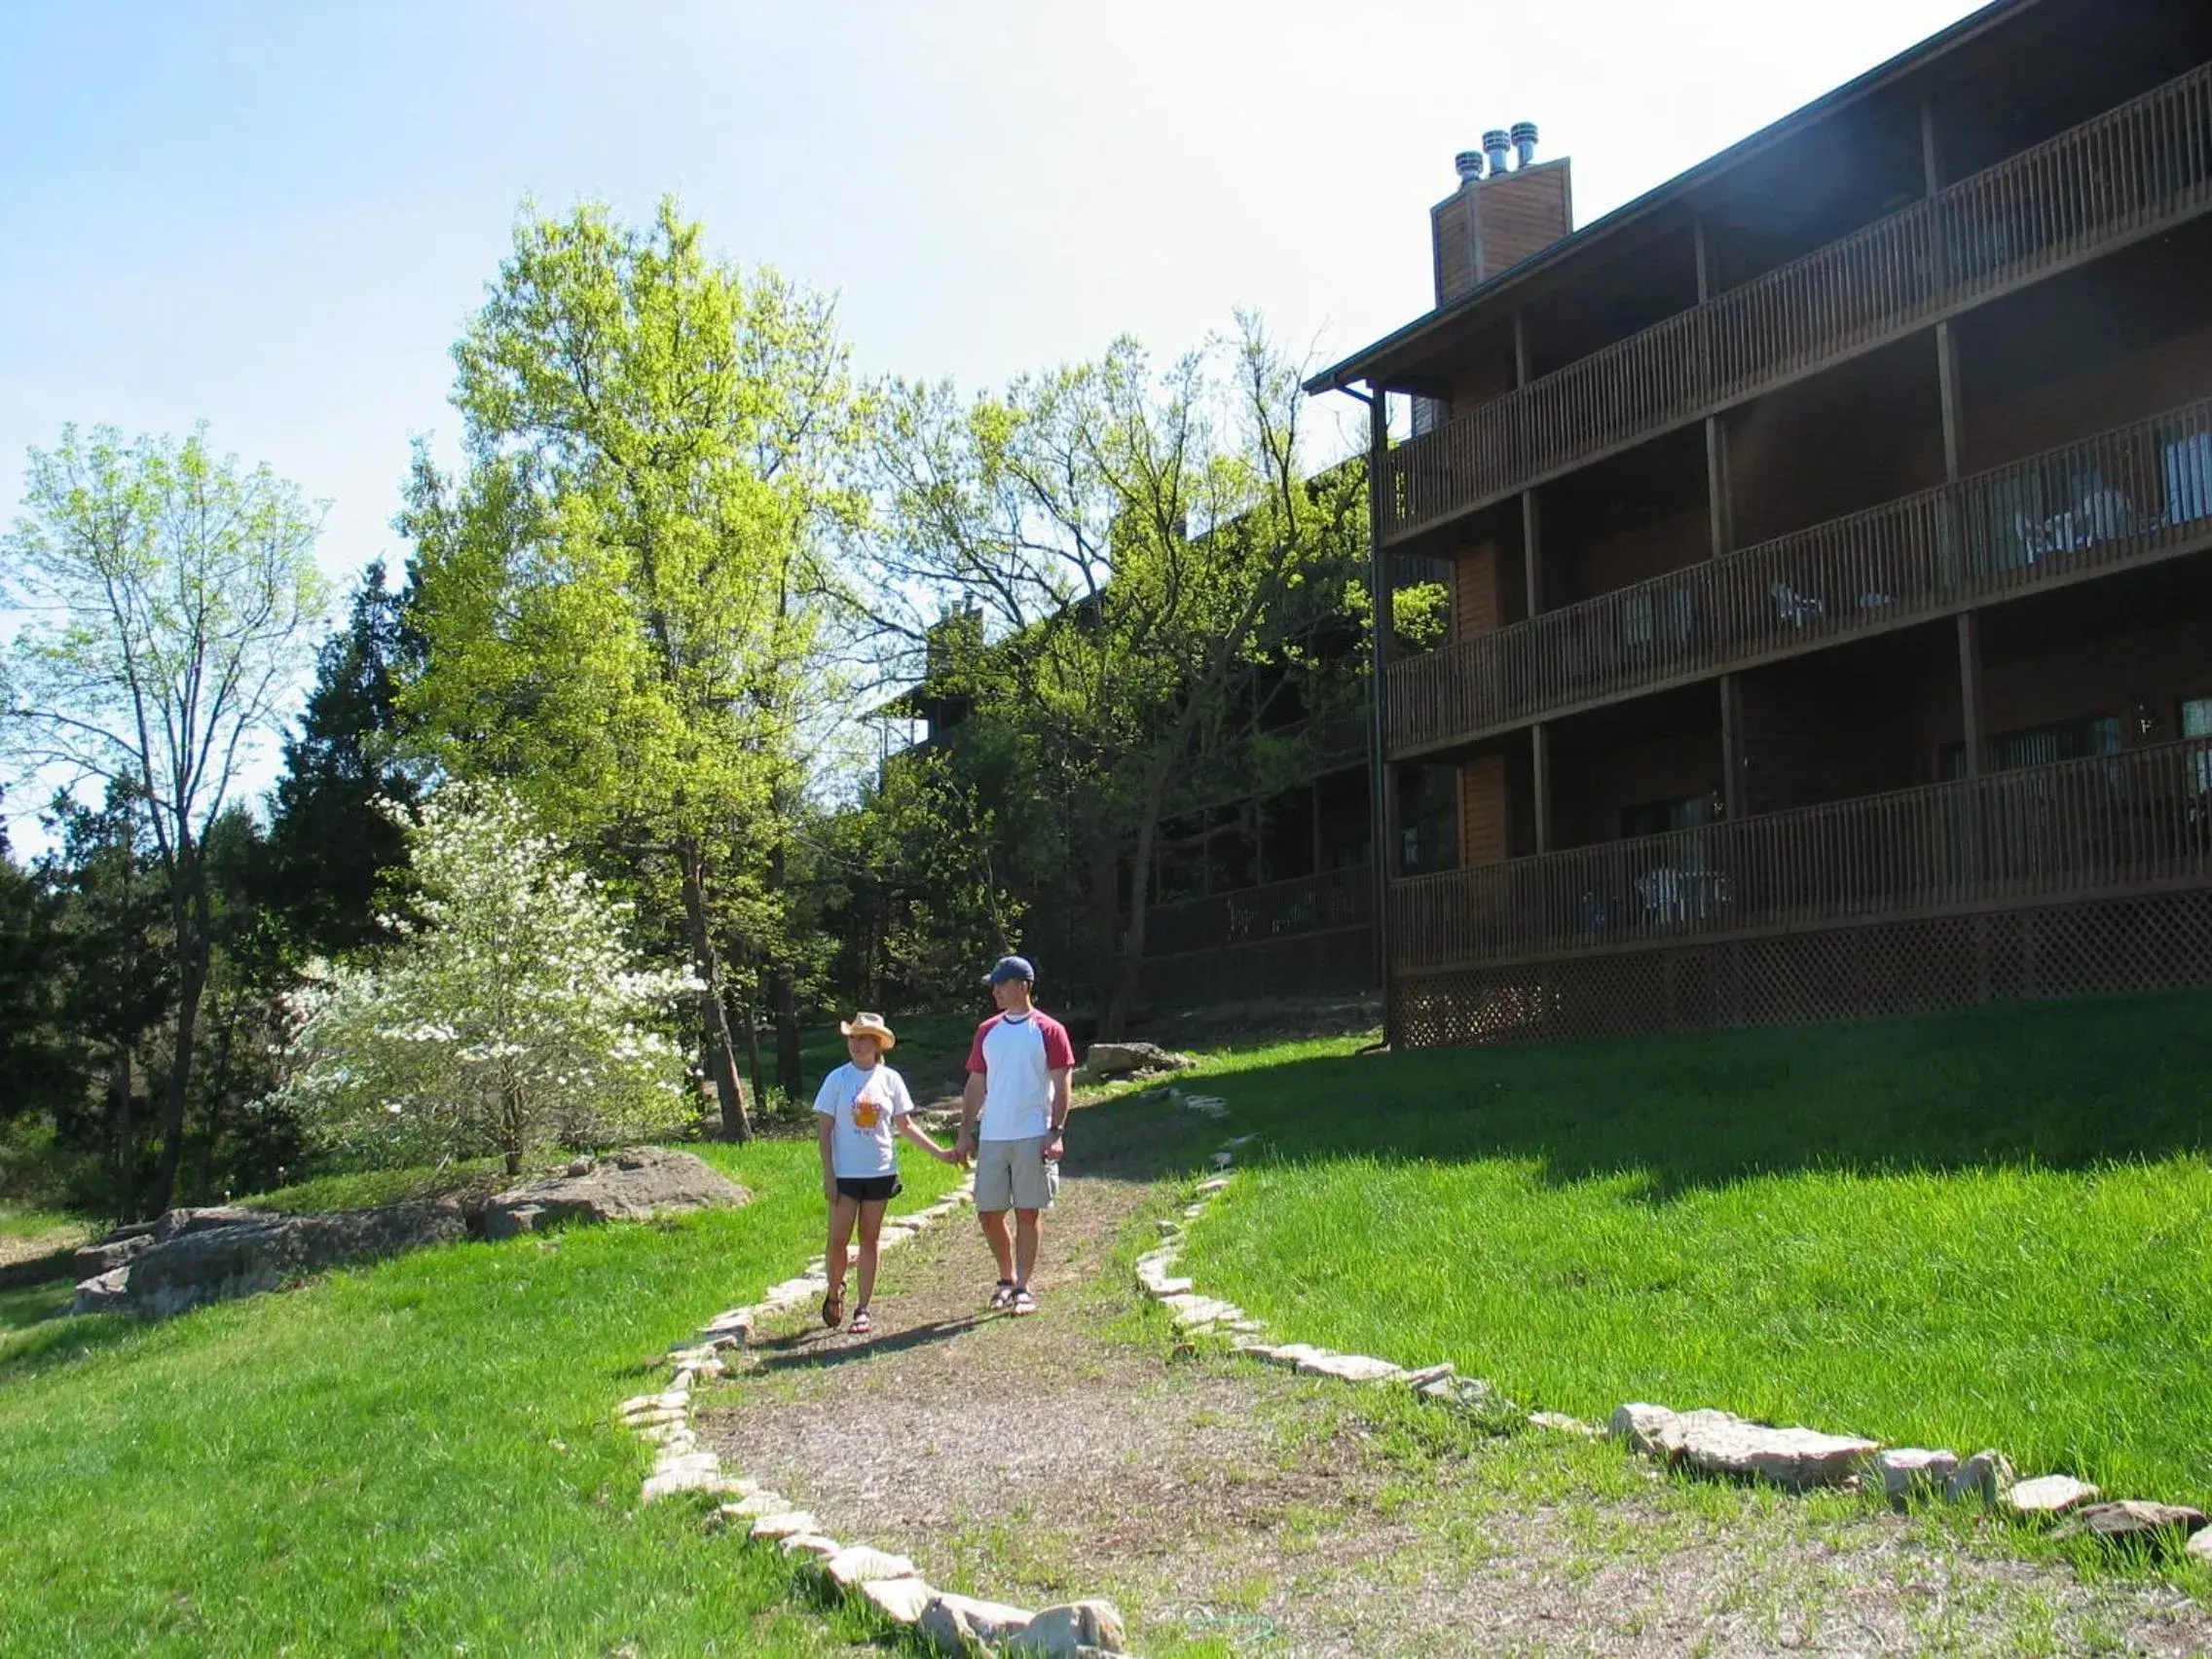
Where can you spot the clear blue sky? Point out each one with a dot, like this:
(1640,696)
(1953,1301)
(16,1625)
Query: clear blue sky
(276,216)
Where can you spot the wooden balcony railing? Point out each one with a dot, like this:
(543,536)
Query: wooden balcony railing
(2129,173)
(2130,495)
(2140,820)
(1310,903)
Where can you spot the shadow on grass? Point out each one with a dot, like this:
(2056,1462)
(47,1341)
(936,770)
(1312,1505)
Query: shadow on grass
(31,1343)
(2059,1086)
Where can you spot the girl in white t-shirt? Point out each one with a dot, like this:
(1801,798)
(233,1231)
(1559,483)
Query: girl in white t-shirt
(862,1107)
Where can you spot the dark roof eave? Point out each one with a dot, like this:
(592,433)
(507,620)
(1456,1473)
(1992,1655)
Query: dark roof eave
(1361,364)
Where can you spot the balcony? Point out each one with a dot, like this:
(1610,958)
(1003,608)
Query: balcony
(2129,496)
(1255,915)
(2135,171)
(2135,822)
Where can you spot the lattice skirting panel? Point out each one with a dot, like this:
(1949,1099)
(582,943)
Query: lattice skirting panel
(1846,973)
(1340,960)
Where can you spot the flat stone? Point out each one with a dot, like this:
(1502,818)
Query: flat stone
(1070,1629)
(899,1600)
(1639,1422)
(1292,1354)
(1223,1160)
(1720,1443)
(2048,1494)
(1564,1424)
(952,1622)
(789,1524)
(1191,1310)
(1163,1288)
(809,1544)
(1986,1475)
(1911,1469)
(664,1401)
(1172,1228)
(670,1483)
(736,1319)
(1219,1184)
(1440,1371)
(755,1504)
(670,1436)
(2200,1545)
(1192,1213)
(851,1567)
(1350,1368)
(2159,1525)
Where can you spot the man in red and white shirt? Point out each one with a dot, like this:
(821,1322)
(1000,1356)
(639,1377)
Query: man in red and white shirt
(1012,1113)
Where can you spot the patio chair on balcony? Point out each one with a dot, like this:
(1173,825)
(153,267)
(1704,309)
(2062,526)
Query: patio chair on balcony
(1796,610)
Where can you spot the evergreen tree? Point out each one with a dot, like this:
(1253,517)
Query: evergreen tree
(330,849)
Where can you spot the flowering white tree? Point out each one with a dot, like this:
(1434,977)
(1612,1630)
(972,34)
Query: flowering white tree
(509,1015)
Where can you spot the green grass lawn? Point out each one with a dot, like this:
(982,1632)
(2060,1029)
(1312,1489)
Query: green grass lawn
(415,1457)
(1983,1228)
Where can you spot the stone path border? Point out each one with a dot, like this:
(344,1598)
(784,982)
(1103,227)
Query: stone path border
(888,1583)
(1710,1441)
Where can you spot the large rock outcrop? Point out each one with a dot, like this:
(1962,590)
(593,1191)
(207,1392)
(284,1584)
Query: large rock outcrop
(1127,1060)
(192,1257)
(630,1186)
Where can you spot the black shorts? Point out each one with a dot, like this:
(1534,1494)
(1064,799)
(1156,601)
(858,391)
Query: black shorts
(869,1189)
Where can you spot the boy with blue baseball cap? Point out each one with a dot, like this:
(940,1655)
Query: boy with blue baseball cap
(1012,1114)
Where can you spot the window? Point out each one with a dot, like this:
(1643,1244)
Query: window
(2196,721)
(2039,746)
(1663,817)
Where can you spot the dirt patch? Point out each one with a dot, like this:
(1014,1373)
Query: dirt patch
(1232,1508)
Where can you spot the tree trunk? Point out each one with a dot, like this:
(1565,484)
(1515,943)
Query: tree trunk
(125,1154)
(187,913)
(749,1030)
(191,985)
(784,1001)
(1105,909)
(714,1018)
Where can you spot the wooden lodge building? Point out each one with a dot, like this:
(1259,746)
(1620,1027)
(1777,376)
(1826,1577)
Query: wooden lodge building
(1830,533)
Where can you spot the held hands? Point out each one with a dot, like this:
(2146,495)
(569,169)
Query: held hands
(962,1150)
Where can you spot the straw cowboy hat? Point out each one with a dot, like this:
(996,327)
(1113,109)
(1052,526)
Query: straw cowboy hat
(869,1025)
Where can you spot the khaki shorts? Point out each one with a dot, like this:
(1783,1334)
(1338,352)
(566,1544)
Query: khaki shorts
(1013,1174)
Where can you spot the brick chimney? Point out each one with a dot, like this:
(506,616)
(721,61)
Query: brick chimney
(1494,222)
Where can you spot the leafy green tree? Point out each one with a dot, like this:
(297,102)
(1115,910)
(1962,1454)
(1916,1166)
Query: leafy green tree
(619,595)
(510,1016)
(332,849)
(1134,544)
(169,599)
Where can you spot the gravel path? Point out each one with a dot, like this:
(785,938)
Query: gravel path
(1233,1508)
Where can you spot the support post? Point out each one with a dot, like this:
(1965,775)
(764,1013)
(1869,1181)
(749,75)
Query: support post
(1315,791)
(1731,746)
(1540,772)
(1970,691)
(1719,492)
(1532,552)
(1383,804)
(1947,389)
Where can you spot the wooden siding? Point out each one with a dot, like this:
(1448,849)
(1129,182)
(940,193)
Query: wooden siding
(1522,213)
(1998,534)
(2173,372)
(2130,172)
(1486,811)
(1592,789)
(1478,606)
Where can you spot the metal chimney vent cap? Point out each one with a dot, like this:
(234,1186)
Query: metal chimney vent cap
(1495,141)
(1469,166)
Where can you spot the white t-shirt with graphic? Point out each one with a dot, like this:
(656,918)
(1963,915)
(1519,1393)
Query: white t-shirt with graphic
(865,1106)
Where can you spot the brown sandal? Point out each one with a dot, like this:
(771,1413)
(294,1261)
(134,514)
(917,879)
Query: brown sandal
(833,1307)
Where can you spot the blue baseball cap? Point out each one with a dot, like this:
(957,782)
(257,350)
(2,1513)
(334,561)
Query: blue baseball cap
(1010,968)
